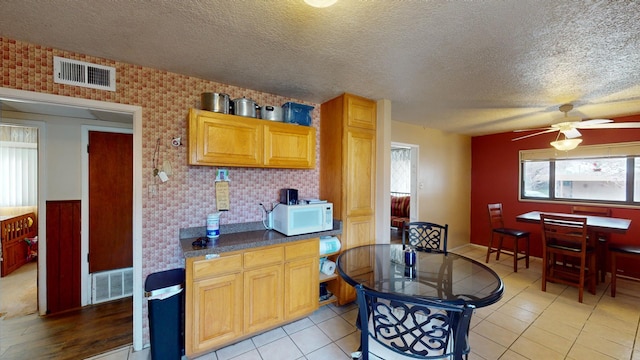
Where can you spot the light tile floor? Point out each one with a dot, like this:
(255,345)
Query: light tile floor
(526,324)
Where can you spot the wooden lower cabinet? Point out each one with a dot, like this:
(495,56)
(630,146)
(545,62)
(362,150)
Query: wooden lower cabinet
(359,231)
(217,311)
(263,288)
(239,294)
(299,297)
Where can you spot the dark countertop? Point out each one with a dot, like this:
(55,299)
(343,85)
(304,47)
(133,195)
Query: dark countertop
(251,238)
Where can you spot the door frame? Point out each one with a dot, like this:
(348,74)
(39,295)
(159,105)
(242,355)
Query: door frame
(85,287)
(414,203)
(136,112)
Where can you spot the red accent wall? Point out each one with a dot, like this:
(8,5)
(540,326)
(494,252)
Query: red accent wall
(494,178)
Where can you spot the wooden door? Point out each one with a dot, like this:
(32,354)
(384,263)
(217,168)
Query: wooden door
(110,201)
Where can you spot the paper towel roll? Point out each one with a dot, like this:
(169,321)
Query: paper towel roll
(328,267)
(329,244)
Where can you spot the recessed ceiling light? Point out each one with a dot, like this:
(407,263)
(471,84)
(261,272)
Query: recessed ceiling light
(320,3)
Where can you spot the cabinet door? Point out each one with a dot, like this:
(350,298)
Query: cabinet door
(289,146)
(263,289)
(301,289)
(360,172)
(361,112)
(217,311)
(359,231)
(217,139)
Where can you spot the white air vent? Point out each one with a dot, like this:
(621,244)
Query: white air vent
(111,285)
(80,73)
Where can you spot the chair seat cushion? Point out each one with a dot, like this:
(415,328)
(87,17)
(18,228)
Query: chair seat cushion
(511,232)
(624,248)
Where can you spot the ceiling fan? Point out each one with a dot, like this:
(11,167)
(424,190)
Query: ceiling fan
(569,126)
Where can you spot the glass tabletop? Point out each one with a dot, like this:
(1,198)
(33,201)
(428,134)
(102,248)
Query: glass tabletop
(449,277)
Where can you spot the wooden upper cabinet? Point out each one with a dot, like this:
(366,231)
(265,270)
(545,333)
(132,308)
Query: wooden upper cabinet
(217,139)
(361,112)
(289,146)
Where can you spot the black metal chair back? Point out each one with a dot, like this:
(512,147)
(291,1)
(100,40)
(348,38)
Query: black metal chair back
(425,236)
(394,326)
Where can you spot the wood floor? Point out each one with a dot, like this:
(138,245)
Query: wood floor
(74,335)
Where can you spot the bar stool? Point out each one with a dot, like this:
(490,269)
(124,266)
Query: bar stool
(620,250)
(497,228)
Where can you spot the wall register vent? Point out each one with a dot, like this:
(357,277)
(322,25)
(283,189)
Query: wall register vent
(111,285)
(80,73)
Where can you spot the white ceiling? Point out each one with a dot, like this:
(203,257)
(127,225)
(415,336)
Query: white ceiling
(469,67)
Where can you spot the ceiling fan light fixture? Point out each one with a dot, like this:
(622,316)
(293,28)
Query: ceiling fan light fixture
(320,3)
(566,144)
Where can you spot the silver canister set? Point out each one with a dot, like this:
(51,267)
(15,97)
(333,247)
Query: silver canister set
(218,102)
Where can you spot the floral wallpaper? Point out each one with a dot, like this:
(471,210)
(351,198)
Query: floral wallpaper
(165,98)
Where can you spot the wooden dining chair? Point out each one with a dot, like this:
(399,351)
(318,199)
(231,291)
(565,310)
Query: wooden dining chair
(601,238)
(409,327)
(624,251)
(566,237)
(425,236)
(496,222)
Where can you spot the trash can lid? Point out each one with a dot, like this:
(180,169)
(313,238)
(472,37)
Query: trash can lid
(164,292)
(164,279)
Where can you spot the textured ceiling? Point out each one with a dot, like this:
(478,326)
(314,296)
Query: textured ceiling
(470,67)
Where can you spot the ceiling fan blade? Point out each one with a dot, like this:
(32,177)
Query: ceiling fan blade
(590,123)
(622,125)
(534,134)
(571,133)
(544,128)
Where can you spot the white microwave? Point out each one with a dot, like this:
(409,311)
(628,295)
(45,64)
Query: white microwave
(302,219)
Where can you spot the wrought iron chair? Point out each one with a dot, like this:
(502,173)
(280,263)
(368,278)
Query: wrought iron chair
(496,221)
(401,327)
(564,236)
(425,236)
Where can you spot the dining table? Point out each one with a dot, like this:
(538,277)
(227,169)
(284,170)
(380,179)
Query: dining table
(444,276)
(594,223)
(448,277)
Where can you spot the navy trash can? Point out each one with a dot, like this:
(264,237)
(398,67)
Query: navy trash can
(165,294)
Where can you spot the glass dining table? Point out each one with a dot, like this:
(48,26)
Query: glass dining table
(449,277)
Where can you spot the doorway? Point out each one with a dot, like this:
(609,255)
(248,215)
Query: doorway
(404,175)
(133,112)
(18,207)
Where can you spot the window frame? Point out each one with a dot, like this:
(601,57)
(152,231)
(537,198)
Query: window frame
(630,151)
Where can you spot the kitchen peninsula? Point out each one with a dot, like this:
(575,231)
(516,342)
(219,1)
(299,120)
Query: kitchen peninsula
(247,281)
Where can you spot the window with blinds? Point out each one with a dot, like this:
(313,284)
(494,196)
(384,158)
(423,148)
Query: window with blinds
(19,166)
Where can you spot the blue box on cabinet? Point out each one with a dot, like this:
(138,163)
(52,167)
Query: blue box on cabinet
(297,113)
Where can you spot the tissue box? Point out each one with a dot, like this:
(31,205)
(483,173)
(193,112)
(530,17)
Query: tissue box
(297,113)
